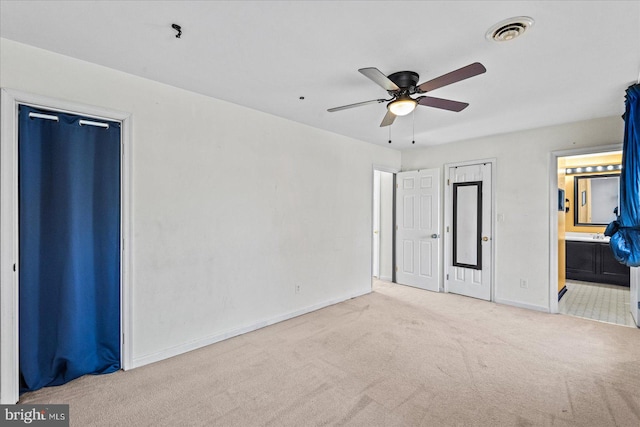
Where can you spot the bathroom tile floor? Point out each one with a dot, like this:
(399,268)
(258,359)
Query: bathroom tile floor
(605,303)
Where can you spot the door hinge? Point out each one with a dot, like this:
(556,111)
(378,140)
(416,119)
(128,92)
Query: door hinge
(14,267)
(396,227)
(396,268)
(638,305)
(397,185)
(448,182)
(447,277)
(447,228)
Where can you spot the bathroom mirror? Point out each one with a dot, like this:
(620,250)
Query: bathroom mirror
(596,197)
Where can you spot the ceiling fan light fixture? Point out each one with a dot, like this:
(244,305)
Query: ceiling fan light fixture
(402,106)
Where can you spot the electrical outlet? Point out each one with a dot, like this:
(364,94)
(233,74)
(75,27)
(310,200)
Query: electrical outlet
(524,284)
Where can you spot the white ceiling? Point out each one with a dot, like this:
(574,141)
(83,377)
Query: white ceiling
(573,64)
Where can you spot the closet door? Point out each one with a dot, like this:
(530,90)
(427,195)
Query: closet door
(69,247)
(469,272)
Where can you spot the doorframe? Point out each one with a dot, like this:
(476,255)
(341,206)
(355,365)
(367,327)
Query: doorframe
(553,212)
(448,211)
(393,171)
(9,250)
(375,218)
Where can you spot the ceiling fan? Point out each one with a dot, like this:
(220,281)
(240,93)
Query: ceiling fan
(403,84)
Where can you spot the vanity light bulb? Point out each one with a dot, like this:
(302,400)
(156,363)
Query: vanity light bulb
(610,167)
(599,168)
(579,170)
(589,169)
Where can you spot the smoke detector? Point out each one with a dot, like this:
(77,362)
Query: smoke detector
(509,29)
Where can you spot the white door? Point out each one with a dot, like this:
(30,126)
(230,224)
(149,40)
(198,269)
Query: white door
(418,229)
(469,233)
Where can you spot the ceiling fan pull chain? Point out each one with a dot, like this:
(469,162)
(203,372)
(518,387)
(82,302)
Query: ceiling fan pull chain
(413,141)
(389,127)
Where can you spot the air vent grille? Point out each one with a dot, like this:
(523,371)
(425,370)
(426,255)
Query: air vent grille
(509,29)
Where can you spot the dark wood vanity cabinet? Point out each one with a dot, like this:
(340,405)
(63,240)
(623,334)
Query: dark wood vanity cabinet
(594,262)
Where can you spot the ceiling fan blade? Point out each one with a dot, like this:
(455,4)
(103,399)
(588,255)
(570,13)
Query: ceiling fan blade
(444,104)
(357,104)
(452,77)
(388,119)
(379,78)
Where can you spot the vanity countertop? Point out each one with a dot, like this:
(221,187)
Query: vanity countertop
(586,237)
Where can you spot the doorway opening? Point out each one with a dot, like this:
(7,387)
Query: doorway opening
(383,220)
(69,246)
(586,279)
(10,246)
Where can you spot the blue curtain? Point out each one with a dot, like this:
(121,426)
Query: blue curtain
(69,213)
(625,231)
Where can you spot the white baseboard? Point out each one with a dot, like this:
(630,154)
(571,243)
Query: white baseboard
(193,345)
(522,305)
(386,278)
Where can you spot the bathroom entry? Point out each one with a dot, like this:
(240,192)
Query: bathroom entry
(591,283)
(69,246)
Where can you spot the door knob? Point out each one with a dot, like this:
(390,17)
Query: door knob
(485,239)
(435,236)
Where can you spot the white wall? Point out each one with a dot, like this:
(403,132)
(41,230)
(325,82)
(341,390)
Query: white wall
(231,207)
(522,196)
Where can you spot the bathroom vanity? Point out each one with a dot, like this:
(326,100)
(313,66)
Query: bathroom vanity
(589,258)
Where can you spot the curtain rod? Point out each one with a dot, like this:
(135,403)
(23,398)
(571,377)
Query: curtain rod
(90,123)
(80,122)
(43,116)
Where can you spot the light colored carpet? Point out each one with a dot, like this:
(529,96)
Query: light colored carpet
(396,357)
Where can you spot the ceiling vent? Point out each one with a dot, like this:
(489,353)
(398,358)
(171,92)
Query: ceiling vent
(509,29)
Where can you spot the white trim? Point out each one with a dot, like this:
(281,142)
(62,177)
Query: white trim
(634,294)
(385,169)
(553,212)
(9,384)
(386,278)
(447,214)
(375,228)
(193,345)
(9,330)
(522,305)
(126,267)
